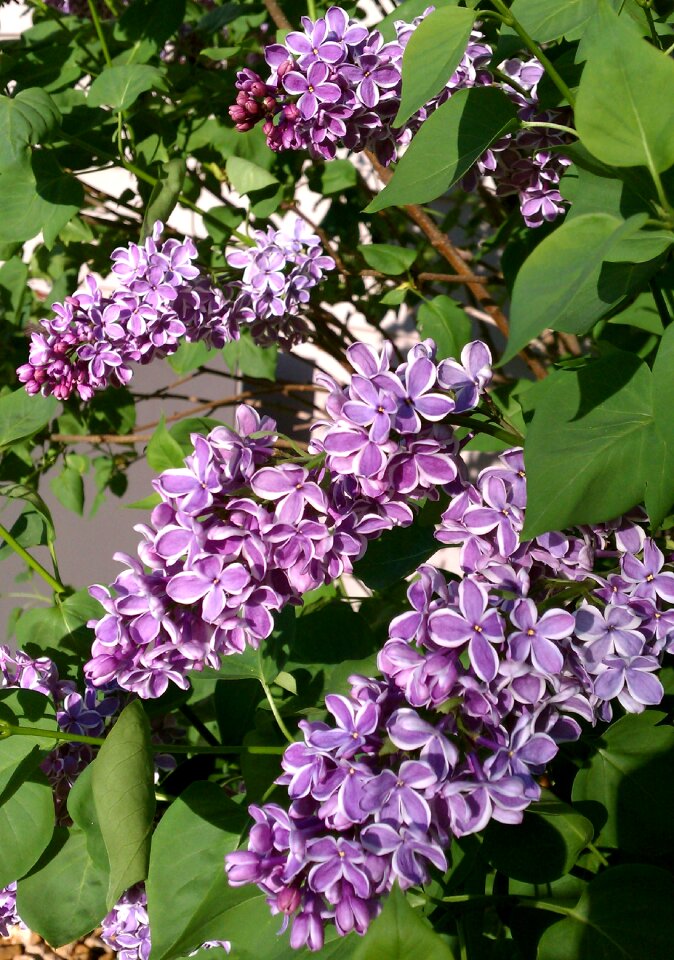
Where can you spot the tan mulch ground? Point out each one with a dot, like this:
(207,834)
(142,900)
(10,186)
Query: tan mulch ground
(25,944)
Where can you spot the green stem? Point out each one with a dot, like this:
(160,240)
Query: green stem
(9,730)
(198,724)
(474,424)
(311,9)
(518,901)
(646,7)
(274,709)
(598,854)
(99,30)
(31,561)
(153,181)
(532,46)
(660,303)
(526,124)
(660,190)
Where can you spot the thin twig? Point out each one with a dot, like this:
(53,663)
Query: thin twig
(441,242)
(277,15)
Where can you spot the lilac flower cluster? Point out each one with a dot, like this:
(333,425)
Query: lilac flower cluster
(8,915)
(126,928)
(482,680)
(525,163)
(278,273)
(237,537)
(162,300)
(336,84)
(89,714)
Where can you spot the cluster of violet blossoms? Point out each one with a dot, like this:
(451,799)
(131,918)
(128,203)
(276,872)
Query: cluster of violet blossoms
(162,300)
(482,680)
(336,84)
(238,536)
(126,928)
(8,915)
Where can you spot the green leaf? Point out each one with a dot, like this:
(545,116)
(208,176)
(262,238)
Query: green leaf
(187,890)
(37,196)
(338,175)
(63,625)
(623,914)
(601,419)
(26,825)
(545,21)
(399,933)
(246,357)
(164,194)
(68,488)
(626,777)
(386,258)
(63,898)
(641,247)
(624,108)
(246,176)
(22,416)
(163,452)
(148,26)
(28,118)
(544,847)
(660,482)
(119,86)
(82,810)
(263,664)
(19,756)
(13,288)
(446,322)
(190,356)
(432,54)
(447,146)
(399,552)
(558,286)
(123,787)
(408,10)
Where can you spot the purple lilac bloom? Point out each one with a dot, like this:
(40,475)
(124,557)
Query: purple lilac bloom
(336,84)
(8,915)
(478,691)
(126,929)
(216,563)
(94,341)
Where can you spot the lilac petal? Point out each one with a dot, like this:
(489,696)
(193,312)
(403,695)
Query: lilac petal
(368,92)
(539,750)
(448,629)
(546,656)
(434,406)
(186,587)
(483,657)
(472,600)
(295,83)
(272,483)
(556,624)
(609,684)
(420,376)
(644,687)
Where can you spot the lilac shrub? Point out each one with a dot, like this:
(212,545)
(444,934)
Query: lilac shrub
(237,537)
(483,679)
(335,84)
(163,300)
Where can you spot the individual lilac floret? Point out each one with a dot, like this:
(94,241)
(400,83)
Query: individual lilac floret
(8,915)
(162,300)
(126,929)
(481,683)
